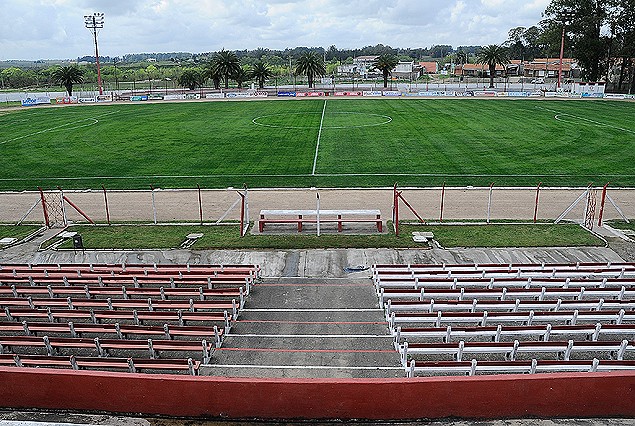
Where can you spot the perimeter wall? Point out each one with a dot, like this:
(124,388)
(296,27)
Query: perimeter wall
(506,396)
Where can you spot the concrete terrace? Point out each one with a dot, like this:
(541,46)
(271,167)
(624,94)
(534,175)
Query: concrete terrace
(309,316)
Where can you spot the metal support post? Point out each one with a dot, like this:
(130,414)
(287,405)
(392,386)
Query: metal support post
(106,204)
(536,206)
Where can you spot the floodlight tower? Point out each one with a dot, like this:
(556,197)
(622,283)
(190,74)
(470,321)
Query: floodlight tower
(565,17)
(94,23)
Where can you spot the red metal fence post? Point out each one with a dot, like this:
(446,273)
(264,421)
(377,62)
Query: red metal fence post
(46,213)
(73,205)
(604,189)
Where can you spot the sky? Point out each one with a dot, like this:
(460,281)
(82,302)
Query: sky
(54,29)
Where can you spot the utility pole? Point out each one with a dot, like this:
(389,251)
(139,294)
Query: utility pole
(94,23)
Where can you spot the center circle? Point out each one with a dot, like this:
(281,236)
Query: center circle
(312,120)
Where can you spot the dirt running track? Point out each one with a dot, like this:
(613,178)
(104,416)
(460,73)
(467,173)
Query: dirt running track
(182,205)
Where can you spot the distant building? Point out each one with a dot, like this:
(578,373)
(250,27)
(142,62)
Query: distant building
(429,67)
(549,68)
(407,70)
(347,69)
(365,65)
(515,68)
(477,70)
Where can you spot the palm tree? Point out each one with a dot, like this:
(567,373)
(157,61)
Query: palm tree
(190,78)
(67,76)
(212,73)
(493,55)
(311,64)
(261,72)
(462,57)
(386,63)
(240,77)
(225,64)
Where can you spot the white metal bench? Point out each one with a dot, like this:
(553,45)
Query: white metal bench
(301,217)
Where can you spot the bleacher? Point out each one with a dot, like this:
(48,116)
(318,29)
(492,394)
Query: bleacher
(137,318)
(510,318)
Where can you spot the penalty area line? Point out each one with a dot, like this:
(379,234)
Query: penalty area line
(317,146)
(51,129)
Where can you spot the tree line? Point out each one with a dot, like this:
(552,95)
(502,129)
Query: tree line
(599,34)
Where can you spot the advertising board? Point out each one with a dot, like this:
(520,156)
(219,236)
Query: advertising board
(487,93)
(238,95)
(309,94)
(348,93)
(40,100)
(174,97)
(614,96)
(66,100)
(518,94)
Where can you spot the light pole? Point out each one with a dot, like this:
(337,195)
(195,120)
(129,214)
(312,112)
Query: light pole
(566,16)
(116,75)
(94,23)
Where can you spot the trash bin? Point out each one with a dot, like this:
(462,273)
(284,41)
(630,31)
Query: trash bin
(78,243)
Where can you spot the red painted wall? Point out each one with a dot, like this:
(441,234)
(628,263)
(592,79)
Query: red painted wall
(540,395)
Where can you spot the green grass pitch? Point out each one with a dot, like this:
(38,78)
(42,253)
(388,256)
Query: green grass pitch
(362,142)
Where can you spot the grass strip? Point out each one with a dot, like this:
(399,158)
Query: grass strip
(620,224)
(19,232)
(227,237)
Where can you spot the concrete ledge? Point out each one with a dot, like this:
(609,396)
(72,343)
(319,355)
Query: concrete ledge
(484,397)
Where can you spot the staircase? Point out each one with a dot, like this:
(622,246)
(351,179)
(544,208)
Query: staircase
(309,328)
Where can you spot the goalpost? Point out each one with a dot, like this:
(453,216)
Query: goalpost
(590,199)
(54,209)
(243,199)
(397,196)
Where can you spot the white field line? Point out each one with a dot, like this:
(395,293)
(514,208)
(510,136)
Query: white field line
(596,123)
(317,146)
(299,175)
(51,129)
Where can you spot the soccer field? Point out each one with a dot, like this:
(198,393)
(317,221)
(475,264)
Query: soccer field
(323,142)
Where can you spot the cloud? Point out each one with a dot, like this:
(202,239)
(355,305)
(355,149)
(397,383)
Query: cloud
(55,28)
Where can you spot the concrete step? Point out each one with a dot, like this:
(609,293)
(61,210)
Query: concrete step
(313,295)
(310,372)
(308,342)
(307,350)
(304,358)
(308,326)
(325,314)
(370,321)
